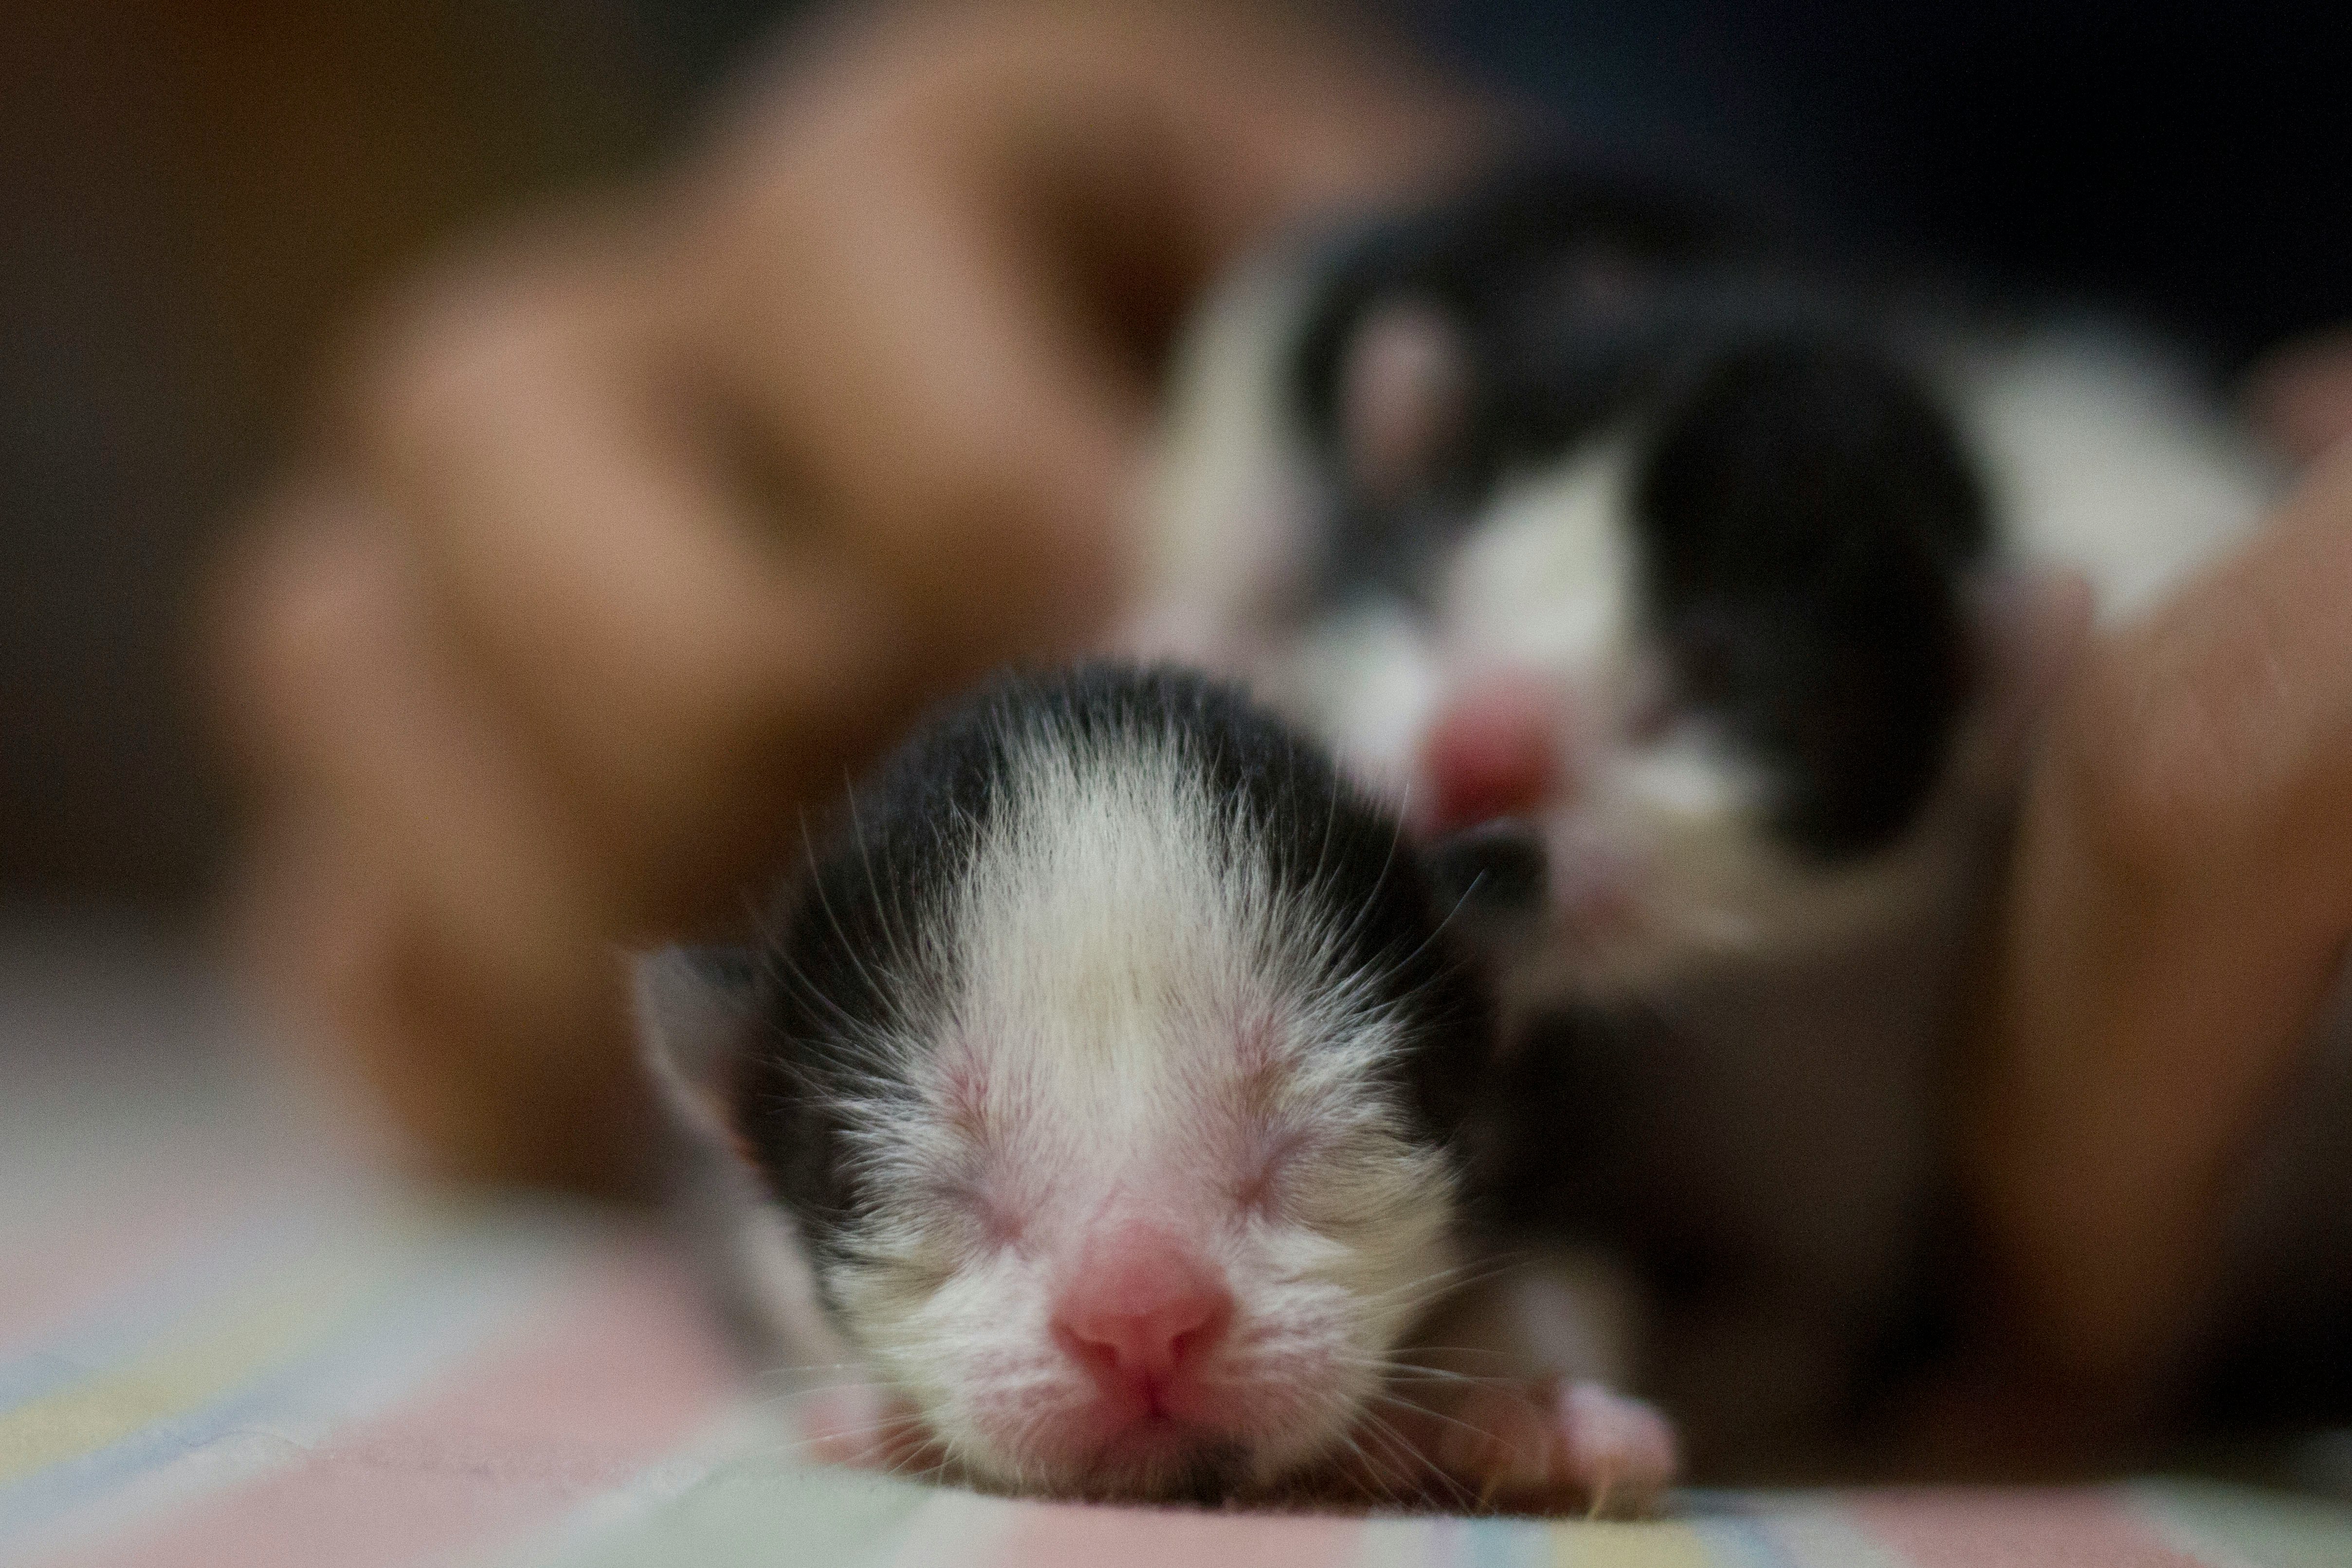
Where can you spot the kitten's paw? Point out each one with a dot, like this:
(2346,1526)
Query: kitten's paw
(1552,1447)
(1621,1452)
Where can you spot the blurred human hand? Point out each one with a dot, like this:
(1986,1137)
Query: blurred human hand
(624,539)
(2180,902)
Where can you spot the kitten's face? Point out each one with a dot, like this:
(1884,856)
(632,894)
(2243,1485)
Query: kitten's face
(1608,819)
(1147,1084)
(1521,717)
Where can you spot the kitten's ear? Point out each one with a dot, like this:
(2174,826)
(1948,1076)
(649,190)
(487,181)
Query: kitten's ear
(2029,625)
(694,1015)
(1404,397)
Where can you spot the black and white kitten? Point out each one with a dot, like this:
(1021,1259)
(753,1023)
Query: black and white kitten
(1091,1121)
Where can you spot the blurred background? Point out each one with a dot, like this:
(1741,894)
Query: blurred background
(193,194)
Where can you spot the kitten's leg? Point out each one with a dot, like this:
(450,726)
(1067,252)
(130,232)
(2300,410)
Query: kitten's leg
(1551,1445)
(1522,1411)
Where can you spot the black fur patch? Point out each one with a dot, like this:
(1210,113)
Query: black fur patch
(1510,265)
(1544,238)
(1806,515)
(1496,874)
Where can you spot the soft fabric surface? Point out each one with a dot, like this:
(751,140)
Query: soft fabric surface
(223,1343)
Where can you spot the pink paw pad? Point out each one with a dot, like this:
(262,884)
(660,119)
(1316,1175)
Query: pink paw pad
(1555,1447)
(1619,1452)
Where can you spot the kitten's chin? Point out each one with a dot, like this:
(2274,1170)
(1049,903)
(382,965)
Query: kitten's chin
(1162,1463)
(1217,1444)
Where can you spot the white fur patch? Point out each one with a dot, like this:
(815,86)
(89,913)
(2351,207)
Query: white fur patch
(1546,579)
(1224,534)
(2105,456)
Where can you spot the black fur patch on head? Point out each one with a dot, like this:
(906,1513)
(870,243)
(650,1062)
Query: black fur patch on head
(1547,242)
(1805,517)
(868,928)
(1547,236)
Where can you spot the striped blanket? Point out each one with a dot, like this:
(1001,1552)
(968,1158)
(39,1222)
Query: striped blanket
(224,1342)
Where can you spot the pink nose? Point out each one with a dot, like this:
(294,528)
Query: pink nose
(1494,752)
(1142,1314)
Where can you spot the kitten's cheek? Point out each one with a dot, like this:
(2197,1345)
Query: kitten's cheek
(861,1429)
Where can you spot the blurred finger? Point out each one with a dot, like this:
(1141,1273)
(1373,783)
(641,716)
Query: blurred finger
(679,664)
(971,442)
(450,938)
(2183,889)
(946,305)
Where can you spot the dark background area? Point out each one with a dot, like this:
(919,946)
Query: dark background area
(193,194)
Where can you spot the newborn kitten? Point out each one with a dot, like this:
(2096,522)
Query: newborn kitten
(1095,1099)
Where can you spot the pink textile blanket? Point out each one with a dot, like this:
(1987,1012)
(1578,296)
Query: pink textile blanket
(223,1341)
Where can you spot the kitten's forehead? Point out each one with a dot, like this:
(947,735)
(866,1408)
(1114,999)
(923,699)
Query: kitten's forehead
(1133,970)
(1548,576)
(1106,892)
